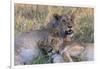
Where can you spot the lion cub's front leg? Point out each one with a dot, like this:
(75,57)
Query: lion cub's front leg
(84,52)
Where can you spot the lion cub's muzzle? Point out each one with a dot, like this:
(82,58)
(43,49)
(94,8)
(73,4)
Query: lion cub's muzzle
(68,32)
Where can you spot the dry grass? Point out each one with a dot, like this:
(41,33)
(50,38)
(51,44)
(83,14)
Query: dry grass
(34,17)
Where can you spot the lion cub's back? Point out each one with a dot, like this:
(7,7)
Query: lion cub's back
(26,43)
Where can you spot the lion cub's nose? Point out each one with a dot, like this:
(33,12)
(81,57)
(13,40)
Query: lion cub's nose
(69,26)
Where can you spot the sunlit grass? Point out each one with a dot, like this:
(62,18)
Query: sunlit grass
(33,17)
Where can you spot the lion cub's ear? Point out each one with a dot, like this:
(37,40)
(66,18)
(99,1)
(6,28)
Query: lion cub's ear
(56,16)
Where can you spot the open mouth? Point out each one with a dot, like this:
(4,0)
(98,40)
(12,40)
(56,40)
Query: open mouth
(69,32)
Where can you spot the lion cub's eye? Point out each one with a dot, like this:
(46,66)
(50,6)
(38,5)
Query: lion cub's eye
(71,19)
(63,20)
